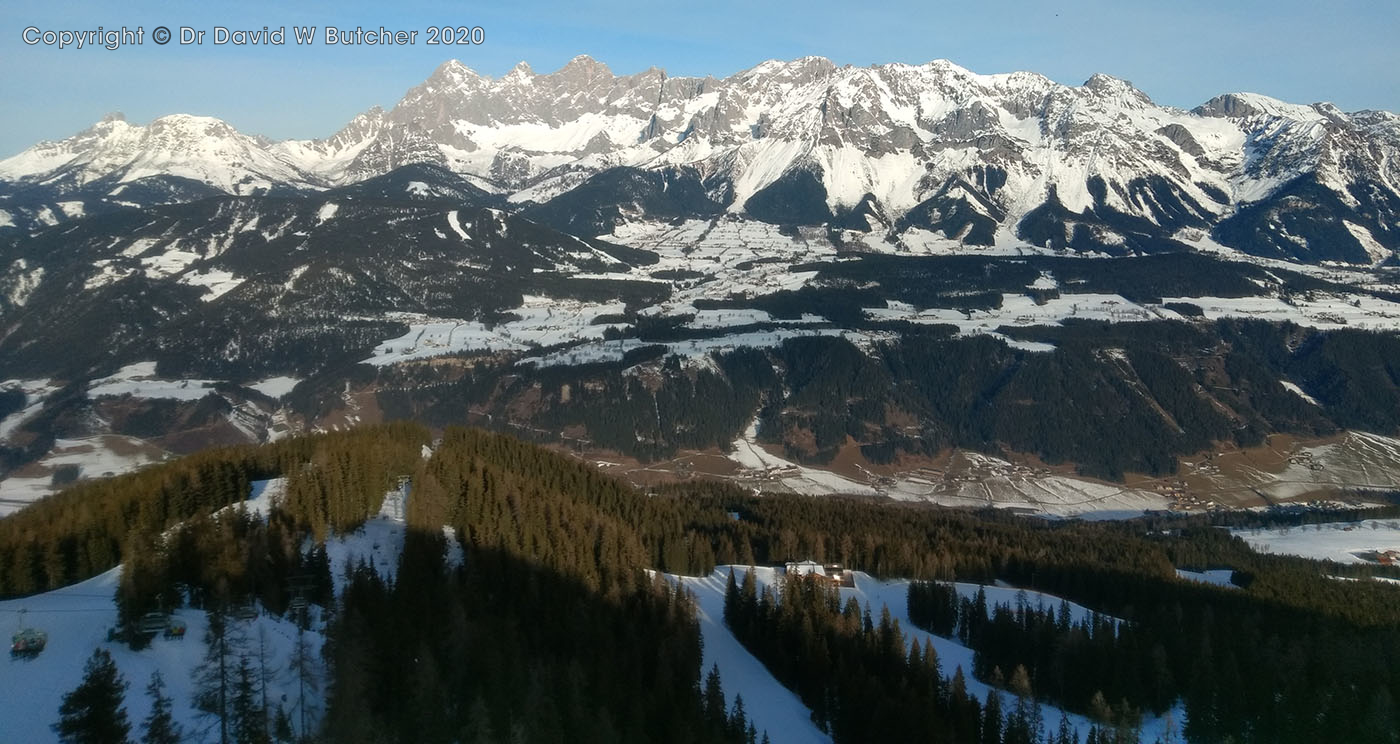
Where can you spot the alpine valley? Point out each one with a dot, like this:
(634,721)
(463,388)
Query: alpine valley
(910,281)
(816,404)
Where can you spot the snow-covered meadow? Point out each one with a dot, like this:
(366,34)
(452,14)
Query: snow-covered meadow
(1331,541)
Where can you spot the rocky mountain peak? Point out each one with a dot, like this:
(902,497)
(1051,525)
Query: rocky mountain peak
(938,141)
(1120,91)
(453,72)
(582,70)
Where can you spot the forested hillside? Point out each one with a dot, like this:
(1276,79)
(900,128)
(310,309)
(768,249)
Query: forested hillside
(553,627)
(1109,398)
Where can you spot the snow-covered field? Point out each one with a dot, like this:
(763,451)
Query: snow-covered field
(1323,311)
(734,256)
(775,709)
(1021,310)
(275,387)
(730,317)
(1332,541)
(727,252)
(694,349)
(107,454)
(978,480)
(139,380)
(541,321)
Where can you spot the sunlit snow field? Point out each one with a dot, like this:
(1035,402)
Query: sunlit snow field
(1332,541)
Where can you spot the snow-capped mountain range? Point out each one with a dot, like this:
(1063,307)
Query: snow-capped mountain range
(925,155)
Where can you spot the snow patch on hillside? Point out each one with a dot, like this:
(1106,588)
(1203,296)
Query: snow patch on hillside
(216,282)
(752,456)
(1293,388)
(35,392)
(275,387)
(1214,576)
(456,225)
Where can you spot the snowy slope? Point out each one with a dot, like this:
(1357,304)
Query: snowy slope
(772,707)
(77,617)
(775,709)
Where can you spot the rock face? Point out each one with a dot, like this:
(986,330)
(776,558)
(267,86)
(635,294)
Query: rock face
(943,154)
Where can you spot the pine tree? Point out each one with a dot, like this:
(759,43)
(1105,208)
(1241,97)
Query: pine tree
(159,727)
(714,700)
(304,668)
(92,713)
(215,678)
(991,718)
(731,599)
(249,718)
(1066,733)
(282,732)
(738,719)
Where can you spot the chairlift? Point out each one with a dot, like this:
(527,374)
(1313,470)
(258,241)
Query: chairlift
(151,623)
(301,583)
(298,604)
(28,642)
(246,611)
(175,628)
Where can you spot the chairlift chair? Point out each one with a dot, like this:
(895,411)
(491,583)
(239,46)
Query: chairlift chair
(151,623)
(246,611)
(175,628)
(28,642)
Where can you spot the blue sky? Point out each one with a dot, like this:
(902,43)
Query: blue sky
(1180,52)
